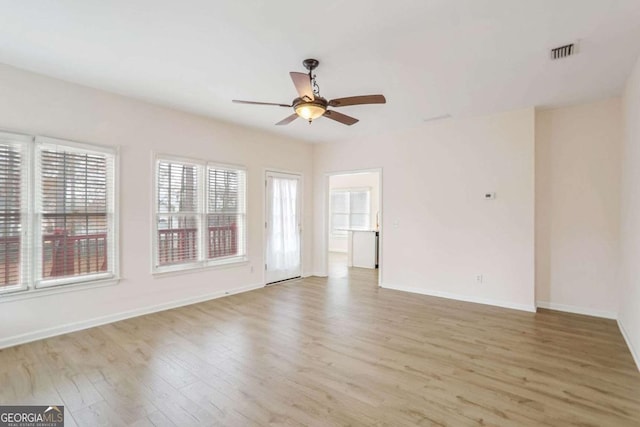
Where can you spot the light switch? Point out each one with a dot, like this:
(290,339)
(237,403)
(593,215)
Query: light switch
(489,196)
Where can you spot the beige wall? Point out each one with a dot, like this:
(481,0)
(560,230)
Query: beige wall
(358,180)
(578,207)
(629,317)
(34,104)
(438,233)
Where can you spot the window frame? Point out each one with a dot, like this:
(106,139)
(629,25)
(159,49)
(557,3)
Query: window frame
(242,257)
(202,262)
(41,143)
(349,190)
(155,268)
(33,285)
(25,143)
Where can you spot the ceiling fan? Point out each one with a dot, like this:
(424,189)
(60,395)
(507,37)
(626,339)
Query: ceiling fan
(310,105)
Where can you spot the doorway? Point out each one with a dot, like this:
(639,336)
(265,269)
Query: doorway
(283,254)
(354,215)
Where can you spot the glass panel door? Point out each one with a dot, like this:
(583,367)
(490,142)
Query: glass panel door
(283,233)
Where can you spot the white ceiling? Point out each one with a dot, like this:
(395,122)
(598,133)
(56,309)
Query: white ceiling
(428,57)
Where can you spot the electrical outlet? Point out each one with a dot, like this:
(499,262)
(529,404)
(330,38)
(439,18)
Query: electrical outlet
(252,268)
(479,278)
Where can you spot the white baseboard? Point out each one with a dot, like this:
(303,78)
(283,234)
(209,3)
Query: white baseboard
(634,353)
(103,320)
(577,310)
(465,298)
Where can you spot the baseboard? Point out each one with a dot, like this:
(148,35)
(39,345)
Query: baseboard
(465,298)
(103,320)
(634,353)
(577,310)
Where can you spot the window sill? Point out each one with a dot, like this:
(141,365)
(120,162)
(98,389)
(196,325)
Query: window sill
(200,266)
(22,294)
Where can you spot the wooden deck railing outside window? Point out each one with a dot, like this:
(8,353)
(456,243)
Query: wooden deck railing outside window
(62,255)
(65,255)
(179,245)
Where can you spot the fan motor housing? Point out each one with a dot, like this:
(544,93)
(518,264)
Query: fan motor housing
(318,101)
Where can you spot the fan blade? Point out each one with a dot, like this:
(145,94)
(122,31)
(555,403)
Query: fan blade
(302,83)
(287,120)
(358,100)
(339,117)
(260,103)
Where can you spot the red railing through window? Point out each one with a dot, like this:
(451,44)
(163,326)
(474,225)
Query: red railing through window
(181,245)
(62,255)
(65,255)
(9,260)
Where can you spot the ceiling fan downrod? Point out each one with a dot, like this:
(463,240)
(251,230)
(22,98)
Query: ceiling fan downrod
(311,64)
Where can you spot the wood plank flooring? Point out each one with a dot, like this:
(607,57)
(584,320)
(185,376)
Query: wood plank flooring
(340,351)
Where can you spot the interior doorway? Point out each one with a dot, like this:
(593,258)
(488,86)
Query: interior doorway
(283,253)
(354,215)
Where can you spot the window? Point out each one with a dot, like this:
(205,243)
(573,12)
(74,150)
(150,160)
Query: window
(74,211)
(57,219)
(350,209)
(200,214)
(225,212)
(178,201)
(14,240)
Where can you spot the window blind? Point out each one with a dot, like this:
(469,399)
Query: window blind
(339,212)
(226,212)
(74,210)
(200,214)
(178,209)
(13,212)
(350,209)
(359,210)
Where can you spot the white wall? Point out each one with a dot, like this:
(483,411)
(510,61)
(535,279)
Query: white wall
(359,180)
(629,316)
(34,104)
(434,179)
(578,207)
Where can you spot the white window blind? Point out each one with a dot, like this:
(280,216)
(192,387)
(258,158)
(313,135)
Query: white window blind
(226,212)
(74,208)
(339,212)
(359,207)
(200,214)
(350,209)
(14,242)
(178,211)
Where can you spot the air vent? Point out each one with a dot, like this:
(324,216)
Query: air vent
(564,51)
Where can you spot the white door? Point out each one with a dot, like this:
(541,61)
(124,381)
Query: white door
(283,227)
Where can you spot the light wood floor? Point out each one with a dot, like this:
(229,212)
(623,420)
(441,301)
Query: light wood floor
(328,352)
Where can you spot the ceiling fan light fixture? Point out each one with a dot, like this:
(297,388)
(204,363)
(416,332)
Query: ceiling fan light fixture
(310,110)
(310,105)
